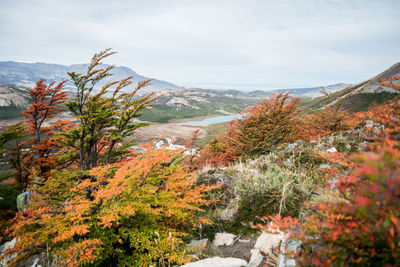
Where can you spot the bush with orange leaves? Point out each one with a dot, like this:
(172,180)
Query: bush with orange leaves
(133,213)
(264,126)
(360,228)
(389,113)
(329,120)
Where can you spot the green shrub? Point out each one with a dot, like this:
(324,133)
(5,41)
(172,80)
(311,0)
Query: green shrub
(271,190)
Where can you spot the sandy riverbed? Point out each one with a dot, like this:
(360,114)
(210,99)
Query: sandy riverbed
(169,129)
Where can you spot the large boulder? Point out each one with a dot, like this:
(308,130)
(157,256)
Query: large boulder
(218,262)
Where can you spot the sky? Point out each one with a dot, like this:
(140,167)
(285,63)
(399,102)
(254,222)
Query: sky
(239,44)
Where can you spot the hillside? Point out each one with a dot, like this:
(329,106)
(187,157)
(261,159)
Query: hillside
(28,73)
(360,96)
(13,99)
(195,102)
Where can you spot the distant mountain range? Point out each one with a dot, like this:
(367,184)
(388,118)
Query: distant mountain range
(27,74)
(16,79)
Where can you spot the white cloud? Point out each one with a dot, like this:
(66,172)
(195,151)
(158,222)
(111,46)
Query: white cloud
(270,43)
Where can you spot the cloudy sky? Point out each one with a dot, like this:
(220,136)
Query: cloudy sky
(218,43)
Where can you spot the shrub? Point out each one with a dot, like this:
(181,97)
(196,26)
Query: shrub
(263,127)
(134,213)
(270,189)
(329,120)
(362,228)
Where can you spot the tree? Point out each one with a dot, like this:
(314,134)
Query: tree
(106,118)
(46,102)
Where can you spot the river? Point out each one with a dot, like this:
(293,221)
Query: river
(211,120)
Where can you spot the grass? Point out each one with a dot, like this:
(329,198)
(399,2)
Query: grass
(361,102)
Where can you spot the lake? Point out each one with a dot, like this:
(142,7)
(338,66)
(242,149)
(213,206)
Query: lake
(212,120)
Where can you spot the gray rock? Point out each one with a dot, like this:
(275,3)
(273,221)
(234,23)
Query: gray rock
(218,262)
(331,150)
(224,239)
(368,124)
(288,246)
(256,258)
(8,245)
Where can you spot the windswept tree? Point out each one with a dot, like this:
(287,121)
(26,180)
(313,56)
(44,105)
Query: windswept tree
(46,104)
(106,117)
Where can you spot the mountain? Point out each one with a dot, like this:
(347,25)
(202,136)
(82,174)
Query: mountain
(360,96)
(27,74)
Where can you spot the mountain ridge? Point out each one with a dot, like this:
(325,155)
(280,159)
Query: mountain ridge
(26,74)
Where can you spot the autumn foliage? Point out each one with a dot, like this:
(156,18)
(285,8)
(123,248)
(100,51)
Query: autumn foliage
(362,227)
(263,127)
(134,213)
(359,225)
(331,119)
(106,117)
(388,114)
(46,104)
(102,204)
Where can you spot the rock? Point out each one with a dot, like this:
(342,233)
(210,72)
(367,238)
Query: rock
(224,239)
(289,149)
(3,248)
(331,150)
(267,241)
(288,246)
(368,124)
(256,258)
(325,166)
(198,245)
(218,262)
